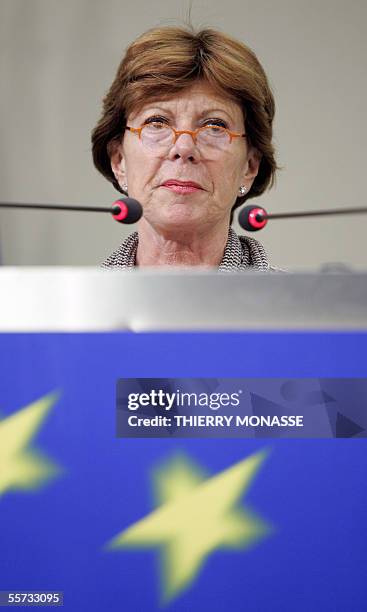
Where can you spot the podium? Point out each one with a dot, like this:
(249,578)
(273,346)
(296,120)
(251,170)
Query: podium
(88,299)
(70,486)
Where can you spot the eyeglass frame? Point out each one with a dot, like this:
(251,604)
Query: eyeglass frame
(193,133)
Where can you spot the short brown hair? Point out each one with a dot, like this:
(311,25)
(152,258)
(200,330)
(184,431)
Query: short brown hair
(165,60)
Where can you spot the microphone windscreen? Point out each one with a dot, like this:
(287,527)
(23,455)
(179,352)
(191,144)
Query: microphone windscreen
(127,210)
(251,218)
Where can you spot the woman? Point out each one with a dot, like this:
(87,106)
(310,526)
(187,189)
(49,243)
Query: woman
(186,130)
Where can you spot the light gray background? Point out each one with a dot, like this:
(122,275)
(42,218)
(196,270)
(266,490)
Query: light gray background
(57,59)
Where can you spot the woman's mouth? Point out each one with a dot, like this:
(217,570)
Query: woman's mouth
(182,187)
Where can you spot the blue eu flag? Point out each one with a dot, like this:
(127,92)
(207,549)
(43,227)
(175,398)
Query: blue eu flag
(175,524)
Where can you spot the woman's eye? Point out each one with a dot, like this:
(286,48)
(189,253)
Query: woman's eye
(156,121)
(216,122)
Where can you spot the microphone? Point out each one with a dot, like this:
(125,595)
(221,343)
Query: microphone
(123,210)
(254,218)
(127,210)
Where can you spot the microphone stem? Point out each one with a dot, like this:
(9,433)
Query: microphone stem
(313,213)
(55,207)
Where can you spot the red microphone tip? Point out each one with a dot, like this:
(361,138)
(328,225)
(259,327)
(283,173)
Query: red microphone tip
(251,218)
(127,210)
(120,210)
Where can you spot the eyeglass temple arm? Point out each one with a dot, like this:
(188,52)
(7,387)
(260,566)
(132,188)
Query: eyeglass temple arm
(135,130)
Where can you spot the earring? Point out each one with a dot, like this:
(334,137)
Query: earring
(124,187)
(242,190)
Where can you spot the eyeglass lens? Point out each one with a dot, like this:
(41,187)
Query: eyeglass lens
(153,135)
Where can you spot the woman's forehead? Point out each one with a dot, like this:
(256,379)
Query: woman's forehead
(200,98)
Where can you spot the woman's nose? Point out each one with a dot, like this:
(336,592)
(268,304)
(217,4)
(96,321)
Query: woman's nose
(184,147)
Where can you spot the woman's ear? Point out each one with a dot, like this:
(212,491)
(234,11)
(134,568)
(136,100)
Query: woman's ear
(117,160)
(251,167)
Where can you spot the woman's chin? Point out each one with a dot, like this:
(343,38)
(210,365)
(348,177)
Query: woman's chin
(185,218)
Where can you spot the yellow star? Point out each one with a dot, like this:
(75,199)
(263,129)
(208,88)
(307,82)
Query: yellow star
(197,515)
(20,467)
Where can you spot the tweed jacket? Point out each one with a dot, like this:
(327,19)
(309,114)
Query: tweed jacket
(240,253)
